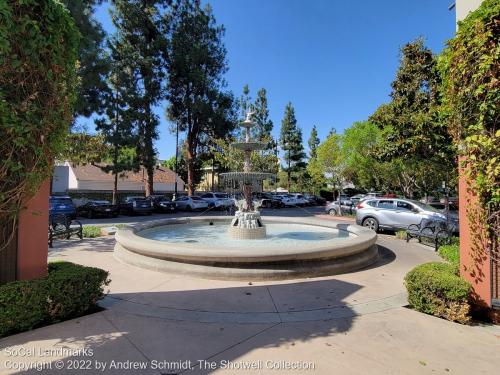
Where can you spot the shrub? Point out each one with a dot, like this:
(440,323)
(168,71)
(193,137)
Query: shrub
(68,291)
(401,234)
(451,253)
(435,288)
(91,231)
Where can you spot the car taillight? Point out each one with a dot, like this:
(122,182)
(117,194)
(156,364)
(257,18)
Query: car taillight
(360,205)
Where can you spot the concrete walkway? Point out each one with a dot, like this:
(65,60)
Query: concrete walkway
(156,323)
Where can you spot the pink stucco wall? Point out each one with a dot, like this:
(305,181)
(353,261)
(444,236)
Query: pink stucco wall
(32,249)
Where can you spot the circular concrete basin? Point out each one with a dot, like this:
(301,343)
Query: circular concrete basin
(295,248)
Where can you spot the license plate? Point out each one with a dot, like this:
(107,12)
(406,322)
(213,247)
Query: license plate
(108,209)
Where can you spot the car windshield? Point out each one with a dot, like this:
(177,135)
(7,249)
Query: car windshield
(425,206)
(221,195)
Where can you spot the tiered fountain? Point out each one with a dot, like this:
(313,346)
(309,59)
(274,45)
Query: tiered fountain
(247,223)
(242,247)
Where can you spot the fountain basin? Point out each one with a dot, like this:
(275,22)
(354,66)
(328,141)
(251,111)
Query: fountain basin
(201,246)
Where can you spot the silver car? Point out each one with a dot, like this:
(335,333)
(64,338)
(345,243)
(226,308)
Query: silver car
(397,214)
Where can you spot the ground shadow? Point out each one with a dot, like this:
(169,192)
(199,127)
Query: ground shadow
(263,314)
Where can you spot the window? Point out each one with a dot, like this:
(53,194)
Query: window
(404,206)
(208,195)
(385,204)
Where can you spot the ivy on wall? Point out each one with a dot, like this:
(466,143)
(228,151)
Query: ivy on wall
(471,89)
(38,53)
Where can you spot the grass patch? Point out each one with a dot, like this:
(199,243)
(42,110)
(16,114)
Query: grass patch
(401,234)
(450,253)
(91,231)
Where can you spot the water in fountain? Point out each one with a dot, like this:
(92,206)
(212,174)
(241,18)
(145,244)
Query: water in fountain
(247,223)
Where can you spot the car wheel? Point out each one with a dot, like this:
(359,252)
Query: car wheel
(371,223)
(332,212)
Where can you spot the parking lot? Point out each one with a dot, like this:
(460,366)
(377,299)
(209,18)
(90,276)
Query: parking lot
(289,211)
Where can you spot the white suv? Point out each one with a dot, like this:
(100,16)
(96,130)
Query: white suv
(217,200)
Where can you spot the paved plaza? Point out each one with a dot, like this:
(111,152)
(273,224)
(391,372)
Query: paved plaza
(159,323)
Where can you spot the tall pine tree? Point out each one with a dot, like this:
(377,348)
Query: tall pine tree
(93,62)
(141,42)
(117,125)
(313,142)
(261,117)
(196,64)
(291,144)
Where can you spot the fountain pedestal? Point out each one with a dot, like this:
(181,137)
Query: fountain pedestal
(247,226)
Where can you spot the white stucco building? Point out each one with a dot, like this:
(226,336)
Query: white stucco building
(92,178)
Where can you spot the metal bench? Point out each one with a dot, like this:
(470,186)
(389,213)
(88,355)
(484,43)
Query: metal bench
(435,230)
(63,226)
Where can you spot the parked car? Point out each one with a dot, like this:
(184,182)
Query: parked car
(298,199)
(319,201)
(356,198)
(162,204)
(374,194)
(334,209)
(397,214)
(191,203)
(268,200)
(217,200)
(97,208)
(61,205)
(136,205)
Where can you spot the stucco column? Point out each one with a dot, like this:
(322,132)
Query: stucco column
(32,248)
(475,264)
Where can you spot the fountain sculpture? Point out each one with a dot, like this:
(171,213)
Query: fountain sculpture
(247,223)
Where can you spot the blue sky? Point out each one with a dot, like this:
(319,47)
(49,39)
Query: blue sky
(334,60)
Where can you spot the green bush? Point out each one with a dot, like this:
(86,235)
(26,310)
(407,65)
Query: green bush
(91,231)
(401,234)
(435,288)
(68,291)
(451,253)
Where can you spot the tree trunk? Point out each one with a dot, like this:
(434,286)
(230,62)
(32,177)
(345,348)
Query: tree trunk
(115,187)
(190,166)
(150,169)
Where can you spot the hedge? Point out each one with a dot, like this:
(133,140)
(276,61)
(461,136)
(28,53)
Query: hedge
(68,291)
(435,288)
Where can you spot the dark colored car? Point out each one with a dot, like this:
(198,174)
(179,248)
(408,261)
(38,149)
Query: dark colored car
(320,201)
(61,206)
(268,200)
(136,205)
(162,203)
(98,208)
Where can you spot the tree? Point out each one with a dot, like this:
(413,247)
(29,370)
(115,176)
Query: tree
(264,126)
(359,143)
(84,148)
(140,44)
(330,160)
(117,131)
(196,63)
(412,117)
(313,142)
(413,130)
(291,144)
(93,62)
(39,49)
